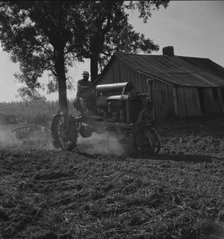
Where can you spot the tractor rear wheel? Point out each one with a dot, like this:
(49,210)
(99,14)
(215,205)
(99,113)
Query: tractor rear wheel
(144,143)
(64,132)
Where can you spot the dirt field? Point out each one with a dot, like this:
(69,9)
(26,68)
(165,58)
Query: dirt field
(98,191)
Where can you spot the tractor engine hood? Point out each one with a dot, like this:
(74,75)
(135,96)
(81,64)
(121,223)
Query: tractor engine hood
(111,89)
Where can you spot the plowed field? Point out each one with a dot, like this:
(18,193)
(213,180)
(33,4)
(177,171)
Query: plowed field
(97,191)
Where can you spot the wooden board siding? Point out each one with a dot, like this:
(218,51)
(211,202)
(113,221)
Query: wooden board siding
(195,104)
(210,104)
(213,100)
(220,101)
(222,94)
(188,102)
(163,100)
(175,101)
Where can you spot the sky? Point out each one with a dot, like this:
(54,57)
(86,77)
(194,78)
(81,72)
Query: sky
(193,28)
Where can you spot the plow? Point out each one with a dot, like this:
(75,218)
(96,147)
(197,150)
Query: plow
(35,132)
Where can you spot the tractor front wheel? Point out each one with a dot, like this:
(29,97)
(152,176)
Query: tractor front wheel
(64,132)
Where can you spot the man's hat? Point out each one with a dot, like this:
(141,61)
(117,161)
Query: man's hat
(85,73)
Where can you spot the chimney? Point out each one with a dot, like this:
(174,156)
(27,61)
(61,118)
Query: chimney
(168,51)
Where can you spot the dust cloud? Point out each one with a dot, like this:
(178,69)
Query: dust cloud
(105,143)
(7,138)
(36,139)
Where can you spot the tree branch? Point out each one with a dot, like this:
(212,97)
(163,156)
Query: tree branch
(47,51)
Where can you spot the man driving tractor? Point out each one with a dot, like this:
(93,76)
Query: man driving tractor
(83,84)
(85,97)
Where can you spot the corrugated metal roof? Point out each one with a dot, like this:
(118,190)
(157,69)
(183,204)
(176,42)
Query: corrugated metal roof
(183,71)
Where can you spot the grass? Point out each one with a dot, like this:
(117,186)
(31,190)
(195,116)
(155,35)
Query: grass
(176,195)
(111,197)
(199,136)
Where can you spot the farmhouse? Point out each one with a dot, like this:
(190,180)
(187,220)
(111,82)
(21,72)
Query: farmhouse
(182,86)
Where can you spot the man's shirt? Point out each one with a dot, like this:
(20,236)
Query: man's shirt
(81,84)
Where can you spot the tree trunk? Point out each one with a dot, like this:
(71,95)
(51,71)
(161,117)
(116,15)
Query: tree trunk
(61,78)
(94,67)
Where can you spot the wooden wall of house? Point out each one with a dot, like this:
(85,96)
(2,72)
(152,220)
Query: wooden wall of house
(213,102)
(194,101)
(188,103)
(220,101)
(163,100)
(210,103)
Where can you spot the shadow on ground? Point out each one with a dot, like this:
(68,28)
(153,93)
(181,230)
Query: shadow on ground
(187,158)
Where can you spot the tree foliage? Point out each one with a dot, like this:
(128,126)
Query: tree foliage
(38,34)
(51,35)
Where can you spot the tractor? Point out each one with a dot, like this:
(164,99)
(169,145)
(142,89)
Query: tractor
(116,108)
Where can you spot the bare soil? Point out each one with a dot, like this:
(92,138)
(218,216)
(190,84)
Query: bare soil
(52,194)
